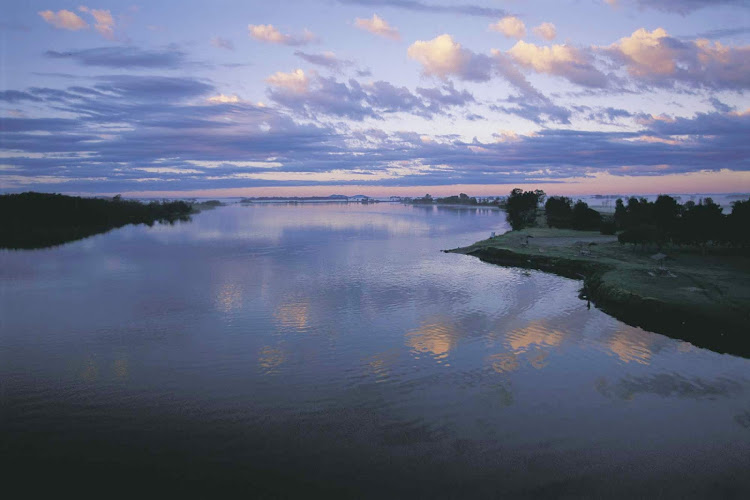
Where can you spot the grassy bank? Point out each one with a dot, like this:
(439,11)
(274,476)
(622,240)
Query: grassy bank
(702,299)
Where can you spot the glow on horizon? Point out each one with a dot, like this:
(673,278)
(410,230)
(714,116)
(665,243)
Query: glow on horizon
(724,182)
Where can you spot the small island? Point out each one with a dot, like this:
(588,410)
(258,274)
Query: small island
(39,220)
(679,270)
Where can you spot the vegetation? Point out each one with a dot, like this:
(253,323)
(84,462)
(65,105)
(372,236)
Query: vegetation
(205,205)
(38,220)
(461,199)
(704,299)
(522,206)
(666,222)
(561,212)
(689,294)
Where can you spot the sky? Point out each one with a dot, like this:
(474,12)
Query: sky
(377,97)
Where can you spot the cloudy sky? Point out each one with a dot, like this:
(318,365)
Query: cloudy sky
(375,96)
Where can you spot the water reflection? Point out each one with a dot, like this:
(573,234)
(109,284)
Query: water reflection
(435,338)
(229,297)
(90,371)
(379,365)
(504,362)
(632,346)
(537,332)
(292,315)
(120,368)
(270,359)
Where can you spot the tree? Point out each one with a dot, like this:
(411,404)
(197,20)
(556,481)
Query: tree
(585,217)
(521,207)
(702,223)
(559,211)
(638,235)
(621,214)
(666,212)
(738,224)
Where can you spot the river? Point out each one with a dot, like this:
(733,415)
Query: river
(333,349)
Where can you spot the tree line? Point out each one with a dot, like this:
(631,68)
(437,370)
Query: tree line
(461,199)
(37,220)
(639,221)
(665,221)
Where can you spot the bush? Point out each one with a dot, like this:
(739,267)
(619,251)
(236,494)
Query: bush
(608,226)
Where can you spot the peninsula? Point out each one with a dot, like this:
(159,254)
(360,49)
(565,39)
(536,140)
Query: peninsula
(699,292)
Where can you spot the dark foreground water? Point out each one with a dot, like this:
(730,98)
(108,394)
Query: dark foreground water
(332,349)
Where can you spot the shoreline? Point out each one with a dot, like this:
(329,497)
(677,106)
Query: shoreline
(687,299)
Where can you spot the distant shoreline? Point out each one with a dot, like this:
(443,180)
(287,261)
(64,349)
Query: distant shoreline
(701,299)
(40,220)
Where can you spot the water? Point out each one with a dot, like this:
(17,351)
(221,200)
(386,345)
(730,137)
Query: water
(333,349)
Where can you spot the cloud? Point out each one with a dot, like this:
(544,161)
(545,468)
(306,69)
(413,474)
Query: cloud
(530,104)
(326,59)
(510,26)
(321,96)
(224,99)
(723,32)
(378,26)
(647,52)
(151,88)
(267,33)
(443,57)
(560,60)
(546,31)
(64,19)
(122,57)
(656,58)
(446,96)
(222,43)
(683,7)
(104,23)
(13,96)
(296,81)
(318,96)
(416,6)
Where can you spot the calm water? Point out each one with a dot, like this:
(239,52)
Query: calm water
(334,349)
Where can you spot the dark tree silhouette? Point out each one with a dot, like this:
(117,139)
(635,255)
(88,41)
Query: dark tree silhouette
(521,207)
(37,220)
(559,211)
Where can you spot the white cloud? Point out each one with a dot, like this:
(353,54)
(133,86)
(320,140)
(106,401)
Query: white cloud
(510,26)
(104,22)
(378,26)
(295,81)
(223,99)
(546,31)
(561,60)
(645,52)
(659,58)
(443,57)
(268,33)
(64,19)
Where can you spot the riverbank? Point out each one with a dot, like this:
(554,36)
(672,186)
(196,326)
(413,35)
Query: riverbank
(40,220)
(702,299)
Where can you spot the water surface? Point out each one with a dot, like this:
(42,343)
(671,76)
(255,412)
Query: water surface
(300,349)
